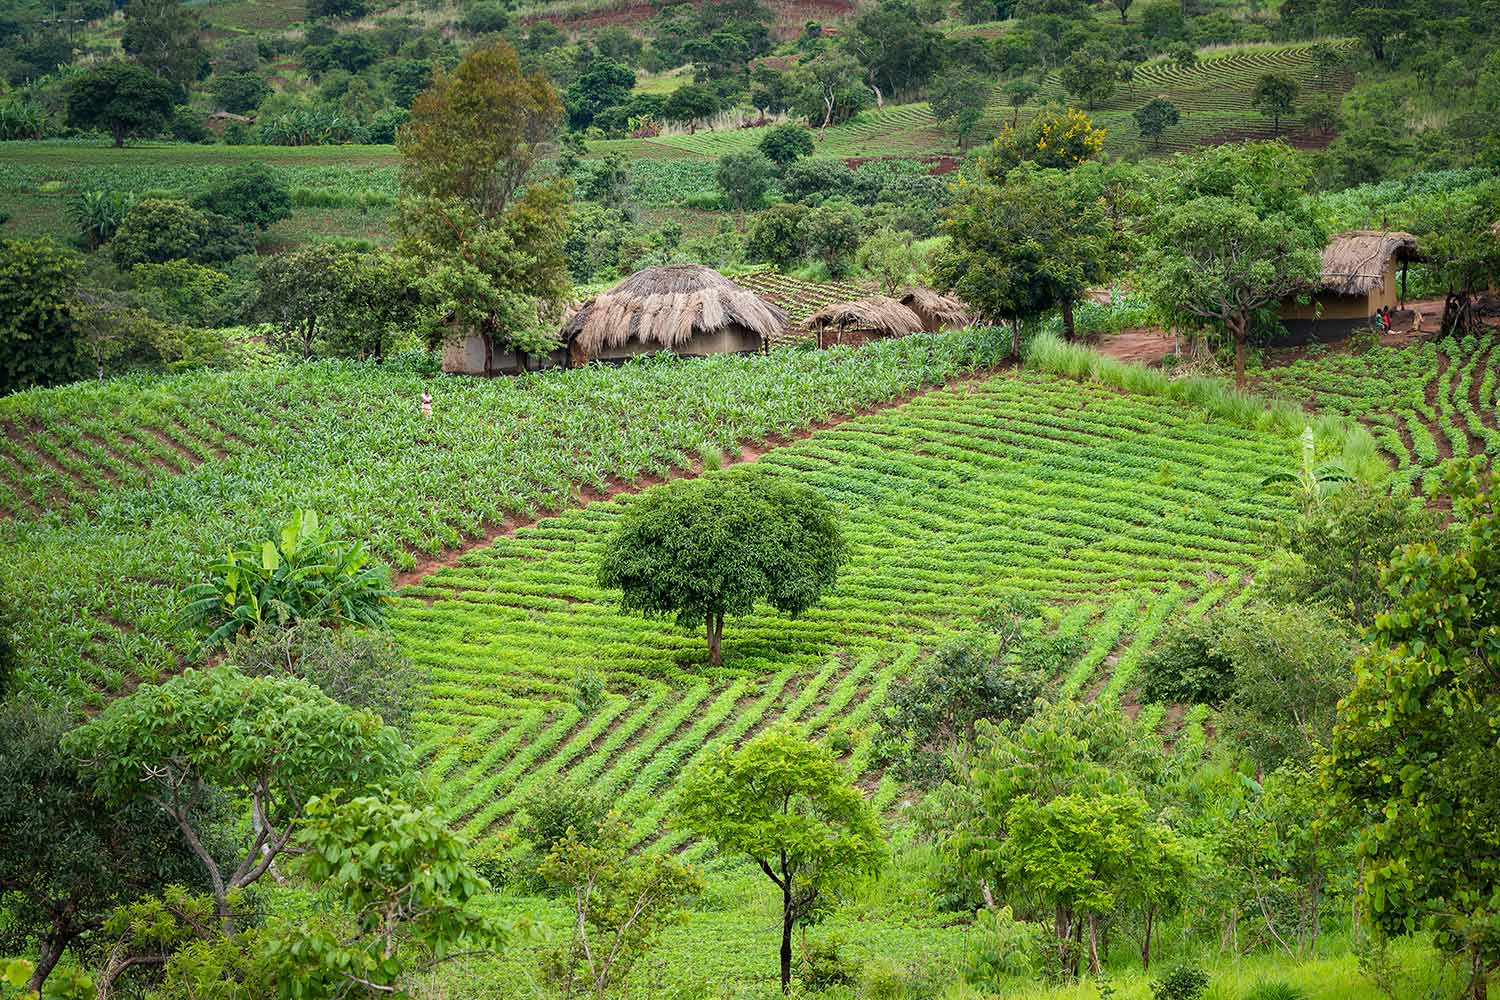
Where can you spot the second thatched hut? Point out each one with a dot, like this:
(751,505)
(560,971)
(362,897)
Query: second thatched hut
(1362,271)
(863,320)
(936,311)
(684,308)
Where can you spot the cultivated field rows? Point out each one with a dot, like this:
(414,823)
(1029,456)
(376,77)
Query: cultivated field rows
(114,496)
(1425,402)
(1117,510)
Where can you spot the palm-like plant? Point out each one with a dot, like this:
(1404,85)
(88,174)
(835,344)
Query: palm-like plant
(98,215)
(1312,482)
(298,574)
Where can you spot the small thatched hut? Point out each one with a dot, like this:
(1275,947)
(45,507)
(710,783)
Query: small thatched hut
(686,308)
(863,320)
(1362,271)
(937,312)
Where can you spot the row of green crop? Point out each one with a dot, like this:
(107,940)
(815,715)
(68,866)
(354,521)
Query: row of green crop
(1425,402)
(93,561)
(1071,492)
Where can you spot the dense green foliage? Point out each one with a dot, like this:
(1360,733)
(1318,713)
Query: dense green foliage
(704,549)
(1414,748)
(38,335)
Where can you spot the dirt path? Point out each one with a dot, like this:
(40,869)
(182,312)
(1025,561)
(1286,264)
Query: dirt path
(1146,345)
(748,451)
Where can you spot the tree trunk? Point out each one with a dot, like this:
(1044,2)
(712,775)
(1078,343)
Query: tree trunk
(489,356)
(1146,941)
(786,937)
(715,636)
(1067,318)
(1237,325)
(1479,982)
(53,945)
(1094,965)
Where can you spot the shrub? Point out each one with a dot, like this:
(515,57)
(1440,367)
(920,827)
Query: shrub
(485,18)
(744,178)
(778,235)
(810,181)
(588,691)
(1186,667)
(833,235)
(1185,982)
(289,575)
(239,92)
(1000,946)
(361,669)
(787,143)
(187,126)
(823,964)
(251,194)
(39,338)
(547,817)
(383,127)
(157,230)
(996,676)
(1276,991)
(180,291)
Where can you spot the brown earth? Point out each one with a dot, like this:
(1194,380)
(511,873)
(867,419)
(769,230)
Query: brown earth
(1146,345)
(1308,139)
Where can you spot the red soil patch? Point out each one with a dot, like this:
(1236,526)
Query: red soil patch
(1296,138)
(1146,345)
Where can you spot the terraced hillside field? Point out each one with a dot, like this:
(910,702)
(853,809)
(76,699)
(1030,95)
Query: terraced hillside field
(801,298)
(1214,97)
(114,496)
(1425,403)
(1116,509)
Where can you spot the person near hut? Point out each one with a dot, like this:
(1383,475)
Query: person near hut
(1385,319)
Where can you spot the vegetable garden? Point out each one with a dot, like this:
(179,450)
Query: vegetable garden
(112,495)
(1116,509)
(1425,403)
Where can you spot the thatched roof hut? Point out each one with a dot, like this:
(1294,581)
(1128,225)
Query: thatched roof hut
(685,308)
(936,311)
(1358,263)
(1363,272)
(863,320)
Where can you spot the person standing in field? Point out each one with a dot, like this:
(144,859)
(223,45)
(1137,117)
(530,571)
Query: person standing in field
(426,403)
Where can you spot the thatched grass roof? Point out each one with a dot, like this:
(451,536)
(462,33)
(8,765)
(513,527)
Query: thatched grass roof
(1354,263)
(667,306)
(934,310)
(878,314)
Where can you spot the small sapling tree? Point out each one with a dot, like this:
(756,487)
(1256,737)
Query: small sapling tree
(621,903)
(787,804)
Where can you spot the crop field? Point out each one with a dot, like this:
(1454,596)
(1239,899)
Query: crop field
(112,496)
(1115,509)
(1425,403)
(1214,97)
(801,298)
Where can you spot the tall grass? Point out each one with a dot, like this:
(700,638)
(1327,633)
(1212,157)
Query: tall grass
(1352,443)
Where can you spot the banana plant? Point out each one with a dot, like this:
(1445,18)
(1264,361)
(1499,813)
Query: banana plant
(1312,482)
(298,574)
